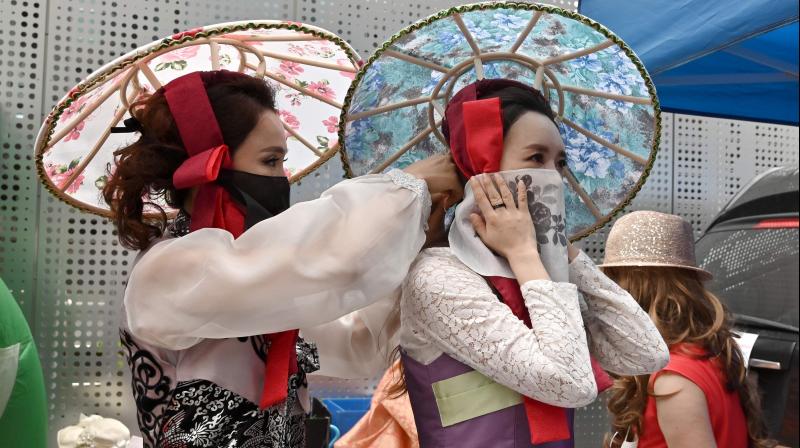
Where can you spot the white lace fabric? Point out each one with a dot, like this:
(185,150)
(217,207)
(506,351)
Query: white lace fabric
(622,337)
(447,308)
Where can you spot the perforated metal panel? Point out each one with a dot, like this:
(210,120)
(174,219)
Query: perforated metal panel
(366,24)
(592,423)
(68,271)
(80,267)
(714,158)
(22,52)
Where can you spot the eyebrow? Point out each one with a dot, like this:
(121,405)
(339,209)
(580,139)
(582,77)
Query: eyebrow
(543,148)
(276,149)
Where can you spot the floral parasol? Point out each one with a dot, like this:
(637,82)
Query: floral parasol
(309,67)
(603,97)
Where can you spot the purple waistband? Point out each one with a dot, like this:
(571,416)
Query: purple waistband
(507,428)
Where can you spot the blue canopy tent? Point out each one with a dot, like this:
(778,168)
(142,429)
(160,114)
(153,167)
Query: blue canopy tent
(713,57)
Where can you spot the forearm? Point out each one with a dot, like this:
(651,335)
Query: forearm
(527,265)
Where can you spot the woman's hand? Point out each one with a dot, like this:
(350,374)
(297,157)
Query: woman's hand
(441,175)
(506,227)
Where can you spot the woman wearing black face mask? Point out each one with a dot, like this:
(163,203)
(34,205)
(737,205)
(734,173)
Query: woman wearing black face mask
(214,302)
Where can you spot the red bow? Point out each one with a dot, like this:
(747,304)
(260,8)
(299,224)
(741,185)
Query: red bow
(213,206)
(474,129)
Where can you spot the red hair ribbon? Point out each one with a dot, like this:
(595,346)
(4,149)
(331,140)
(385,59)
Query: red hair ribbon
(213,206)
(474,130)
(483,129)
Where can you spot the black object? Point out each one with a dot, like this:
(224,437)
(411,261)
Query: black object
(129,125)
(318,425)
(262,196)
(751,248)
(774,192)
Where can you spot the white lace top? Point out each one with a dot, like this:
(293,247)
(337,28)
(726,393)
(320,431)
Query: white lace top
(447,308)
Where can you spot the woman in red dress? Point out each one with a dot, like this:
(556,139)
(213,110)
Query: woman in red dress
(702,398)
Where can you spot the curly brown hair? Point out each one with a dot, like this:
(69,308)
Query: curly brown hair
(684,311)
(142,172)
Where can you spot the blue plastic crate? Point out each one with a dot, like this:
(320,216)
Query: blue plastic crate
(347,411)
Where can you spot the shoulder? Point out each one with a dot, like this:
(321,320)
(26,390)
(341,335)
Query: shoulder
(688,364)
(685,376)
(669,383)
(439,265)
(682,410)
(191,248)
(436,271)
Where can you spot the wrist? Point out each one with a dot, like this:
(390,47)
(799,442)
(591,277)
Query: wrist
(527,266)
(523,255)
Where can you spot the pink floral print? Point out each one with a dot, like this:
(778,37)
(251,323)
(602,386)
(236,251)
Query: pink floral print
(290,119)
(332,123)
(322,88)
(59,174)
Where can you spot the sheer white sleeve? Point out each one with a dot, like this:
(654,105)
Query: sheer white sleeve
(622,337)
(358,345)
(452,307)
(311,264)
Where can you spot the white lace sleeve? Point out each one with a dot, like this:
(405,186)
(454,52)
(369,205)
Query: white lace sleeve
(452,307)
(622,337)
(311,264)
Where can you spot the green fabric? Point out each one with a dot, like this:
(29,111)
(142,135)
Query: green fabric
(23,423)
(471,395)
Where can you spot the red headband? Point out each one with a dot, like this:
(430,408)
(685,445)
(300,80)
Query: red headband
(213,206)
(474,127)
(191,109)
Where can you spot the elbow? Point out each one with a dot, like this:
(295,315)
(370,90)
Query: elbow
(586,393)
(147,331)
(658,359)
(582,392)
(662,357)
(574,389)
(646,363)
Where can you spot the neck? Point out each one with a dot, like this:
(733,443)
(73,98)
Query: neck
(188,203)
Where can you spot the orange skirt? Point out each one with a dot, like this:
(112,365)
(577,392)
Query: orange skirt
(389,423)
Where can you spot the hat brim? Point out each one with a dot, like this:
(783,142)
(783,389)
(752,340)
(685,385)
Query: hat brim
(606,102)
(310,69)
(704,275)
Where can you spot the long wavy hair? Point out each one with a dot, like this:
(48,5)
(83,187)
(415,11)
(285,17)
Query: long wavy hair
(684,312)
(142,172)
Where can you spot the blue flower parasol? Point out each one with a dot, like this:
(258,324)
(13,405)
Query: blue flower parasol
(604,100)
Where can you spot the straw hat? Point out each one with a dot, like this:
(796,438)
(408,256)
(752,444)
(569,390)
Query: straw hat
(646,238)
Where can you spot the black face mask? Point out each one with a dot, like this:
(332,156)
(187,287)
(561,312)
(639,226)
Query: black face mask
(262,196)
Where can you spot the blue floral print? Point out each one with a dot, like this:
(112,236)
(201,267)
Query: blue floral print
(607,177)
